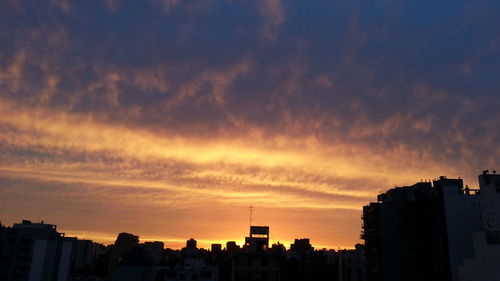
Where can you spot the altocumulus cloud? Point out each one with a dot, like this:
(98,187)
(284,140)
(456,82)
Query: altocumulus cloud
(191,110)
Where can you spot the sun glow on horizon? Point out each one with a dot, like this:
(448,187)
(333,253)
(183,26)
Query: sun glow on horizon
(152,171)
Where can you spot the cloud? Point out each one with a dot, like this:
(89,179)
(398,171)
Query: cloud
(273,16)
(113,5)
(219,82)
(168,5)
(107,88)
(11,75)
(138,209)
(308,105)
(233,163)
(154,79)
(61,4)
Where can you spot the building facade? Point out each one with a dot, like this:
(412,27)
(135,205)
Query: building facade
(427,231)
(34,252)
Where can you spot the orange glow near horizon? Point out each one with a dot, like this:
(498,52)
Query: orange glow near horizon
(168,119)
(144,174)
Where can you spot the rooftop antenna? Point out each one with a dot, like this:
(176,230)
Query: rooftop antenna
(251,211)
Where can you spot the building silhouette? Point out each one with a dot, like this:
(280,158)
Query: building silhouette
(256,261)
(216,248)
(191,244)
(439,230)
(405,235)
(231,246)
(258,240)
(136,264)
(70,259)
(427,231)
(302,246)
(34,252)
(83,256)
(351,264)
(124,242)
(192,264)
(484,263)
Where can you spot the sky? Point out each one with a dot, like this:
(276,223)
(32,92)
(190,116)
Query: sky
(169,118)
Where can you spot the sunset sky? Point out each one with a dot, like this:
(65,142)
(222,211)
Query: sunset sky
(169,118)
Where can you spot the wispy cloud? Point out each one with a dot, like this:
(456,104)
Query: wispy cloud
(273,17)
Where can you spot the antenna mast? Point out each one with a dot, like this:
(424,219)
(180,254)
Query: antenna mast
(251,211)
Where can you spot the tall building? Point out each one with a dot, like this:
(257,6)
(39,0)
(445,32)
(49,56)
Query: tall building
(351,264)
(124,242)
(485,260)
(83,254)
(34,252)
(405,235)
(425,231)
(256,261)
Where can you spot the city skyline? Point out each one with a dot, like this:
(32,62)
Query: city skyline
(179,243)
(176,243)
(200,244)
(430,230)
(169,118)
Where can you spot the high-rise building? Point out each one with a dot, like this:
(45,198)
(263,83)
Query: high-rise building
(405,235)
(485,260)
(34,252)
(425,231)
